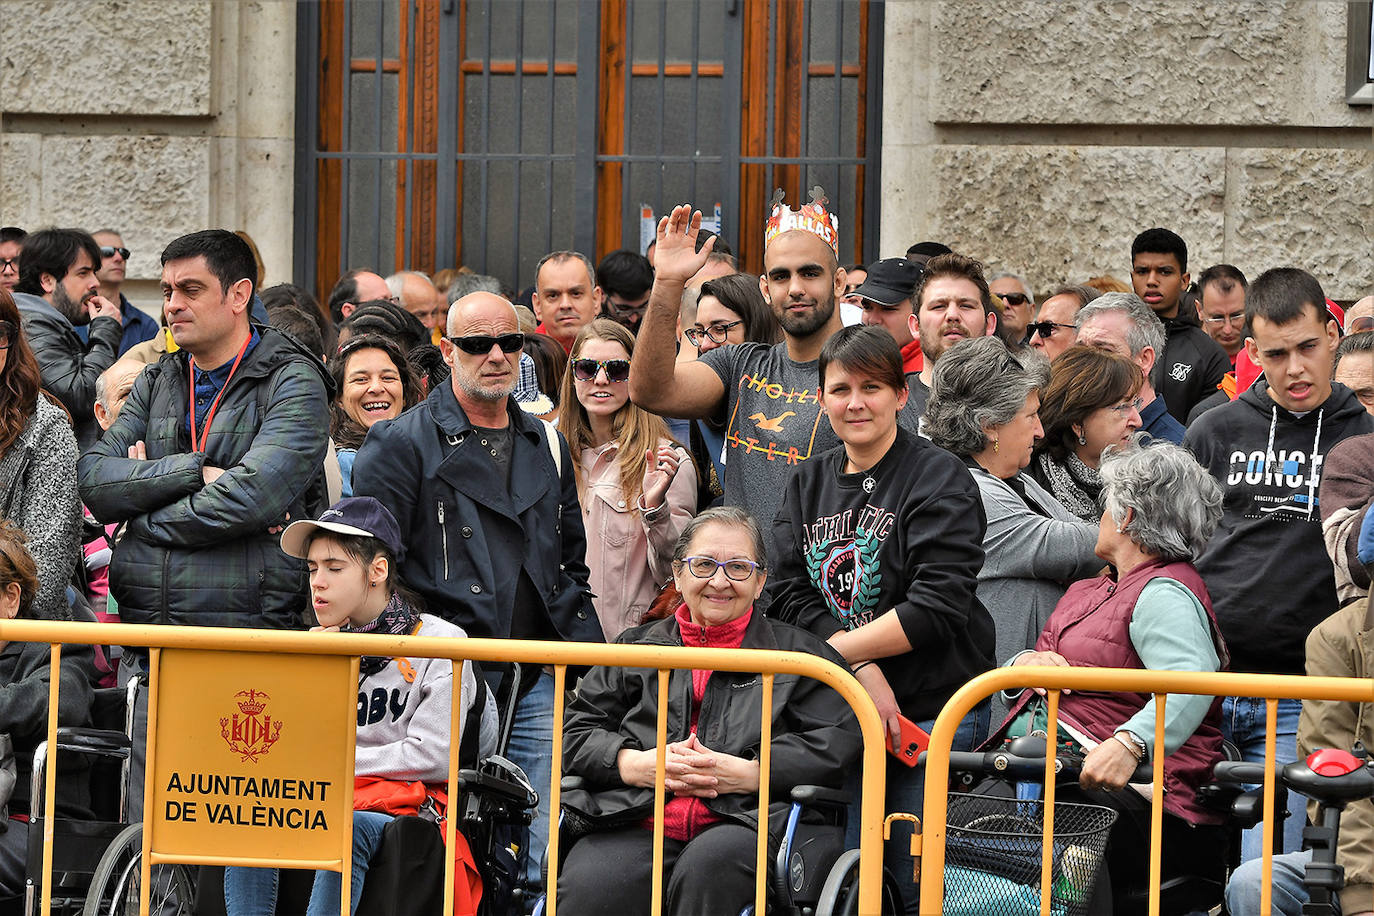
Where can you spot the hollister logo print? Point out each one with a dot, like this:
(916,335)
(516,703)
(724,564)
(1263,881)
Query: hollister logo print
(250,732)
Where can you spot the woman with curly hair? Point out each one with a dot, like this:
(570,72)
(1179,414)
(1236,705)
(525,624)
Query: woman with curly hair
(879,543)
(37,467)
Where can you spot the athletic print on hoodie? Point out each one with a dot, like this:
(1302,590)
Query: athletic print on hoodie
(842,559)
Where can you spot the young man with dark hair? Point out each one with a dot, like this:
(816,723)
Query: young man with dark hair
(625,278)
(57,292)
(953,303)
(217,444)
(1266,567)
(1192,364)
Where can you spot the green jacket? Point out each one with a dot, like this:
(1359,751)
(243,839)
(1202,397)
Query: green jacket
(204,554)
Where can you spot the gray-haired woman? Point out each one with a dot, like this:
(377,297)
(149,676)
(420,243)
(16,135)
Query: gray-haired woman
(984,409)
(1153,611)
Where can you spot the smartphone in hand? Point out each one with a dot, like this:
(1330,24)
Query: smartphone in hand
(914,740)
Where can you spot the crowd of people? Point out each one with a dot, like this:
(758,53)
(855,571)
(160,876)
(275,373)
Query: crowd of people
(910,468)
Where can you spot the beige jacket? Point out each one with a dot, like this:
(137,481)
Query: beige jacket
(1343,646)
(629,552)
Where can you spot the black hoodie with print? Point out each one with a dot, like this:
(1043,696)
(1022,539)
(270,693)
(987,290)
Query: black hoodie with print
(1266,568)
(1191,366)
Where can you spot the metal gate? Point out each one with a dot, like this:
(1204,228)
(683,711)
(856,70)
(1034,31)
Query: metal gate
(434,133)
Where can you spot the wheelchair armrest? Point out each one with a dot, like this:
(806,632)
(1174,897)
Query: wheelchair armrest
(820,796)
(93,741)
(1247,808)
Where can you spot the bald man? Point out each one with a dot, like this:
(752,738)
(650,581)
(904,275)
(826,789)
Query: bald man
(484,495)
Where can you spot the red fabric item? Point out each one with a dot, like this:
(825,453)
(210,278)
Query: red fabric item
(539,329)
(397,798)
(912,361)
(1247,370)
(684,816)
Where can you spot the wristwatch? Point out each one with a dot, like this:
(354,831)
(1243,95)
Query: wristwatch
(1133,742)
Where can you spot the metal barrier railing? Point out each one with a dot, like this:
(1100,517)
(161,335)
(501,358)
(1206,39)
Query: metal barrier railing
(558,654)
(1272,688)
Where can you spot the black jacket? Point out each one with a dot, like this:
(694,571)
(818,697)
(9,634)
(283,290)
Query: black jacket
(68,365)
(815,733)
(198,554)
(25,673)
(1191,366)
(455,513)
(1266,566)
(911,541)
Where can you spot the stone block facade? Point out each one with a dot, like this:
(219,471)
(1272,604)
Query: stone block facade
(1042,137)
(153,117)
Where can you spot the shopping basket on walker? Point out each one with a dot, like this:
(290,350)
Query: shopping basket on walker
(992,855)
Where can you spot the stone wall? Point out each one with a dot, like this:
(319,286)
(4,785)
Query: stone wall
(153,117)
(1041,137)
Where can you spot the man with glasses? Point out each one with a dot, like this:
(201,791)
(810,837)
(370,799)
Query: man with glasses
(1017,305)
(625,278)
(1120,323)
(1221,307)
(885,298)
(114,260)
(485,497)
(1360,316)
(11,243)
(1055,328)
(58,292)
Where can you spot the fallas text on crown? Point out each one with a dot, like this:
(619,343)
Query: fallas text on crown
(813,217)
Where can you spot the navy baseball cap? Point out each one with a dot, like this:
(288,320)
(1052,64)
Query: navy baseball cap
(362,516)
(890,281)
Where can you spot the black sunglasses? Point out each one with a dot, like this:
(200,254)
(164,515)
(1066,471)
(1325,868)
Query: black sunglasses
(617,370)
(108,251)
(1014,298)
(1044,328)
(481,344)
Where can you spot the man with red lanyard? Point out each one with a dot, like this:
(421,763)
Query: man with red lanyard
(218,445)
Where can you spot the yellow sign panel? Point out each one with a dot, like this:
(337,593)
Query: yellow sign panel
(253,754)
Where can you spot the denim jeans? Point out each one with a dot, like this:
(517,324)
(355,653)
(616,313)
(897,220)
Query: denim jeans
(531,749)
(1288,892)
(253,891)
(1243,724)
(906,792)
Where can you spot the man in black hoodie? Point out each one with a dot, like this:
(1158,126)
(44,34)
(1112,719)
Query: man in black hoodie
(1192,364)
(1266,567)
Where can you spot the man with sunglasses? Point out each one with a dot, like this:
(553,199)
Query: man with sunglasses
(1360,316)
(114,261)
(57,293)
(1055,328)
(1017,305)
(485,498)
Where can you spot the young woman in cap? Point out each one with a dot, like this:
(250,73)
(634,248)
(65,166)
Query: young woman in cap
(352,549)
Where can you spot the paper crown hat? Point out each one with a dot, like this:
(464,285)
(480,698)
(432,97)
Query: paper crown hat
(813,217)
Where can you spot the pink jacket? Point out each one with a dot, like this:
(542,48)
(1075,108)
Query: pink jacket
(629,552)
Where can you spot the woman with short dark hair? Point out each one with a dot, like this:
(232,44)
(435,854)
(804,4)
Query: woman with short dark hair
(879,544)
(1091,402)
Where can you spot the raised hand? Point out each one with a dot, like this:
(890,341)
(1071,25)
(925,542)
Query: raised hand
(675,255)
(660,468)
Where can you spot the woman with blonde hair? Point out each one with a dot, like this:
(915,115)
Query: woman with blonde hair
(635,502)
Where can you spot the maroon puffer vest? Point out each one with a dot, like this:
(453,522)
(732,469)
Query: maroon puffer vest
(1091,627)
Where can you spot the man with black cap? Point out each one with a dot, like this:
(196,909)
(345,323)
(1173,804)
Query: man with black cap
(885,298)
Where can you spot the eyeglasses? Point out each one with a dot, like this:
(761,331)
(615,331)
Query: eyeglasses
(1239,318)
(1126,406)
(481,344)
(1044,328)
(108,251)
(738,570)
(7,264)
(585,370)
(1014,298)
(626,309)
(1363,323)
(718,333)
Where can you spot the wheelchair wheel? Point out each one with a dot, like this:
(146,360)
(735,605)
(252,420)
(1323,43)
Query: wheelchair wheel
(116,882)
(840,895)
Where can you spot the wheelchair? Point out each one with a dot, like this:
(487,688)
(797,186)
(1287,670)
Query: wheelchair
(812,873)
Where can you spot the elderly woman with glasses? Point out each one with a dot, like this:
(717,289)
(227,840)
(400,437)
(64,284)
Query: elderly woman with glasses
(712,771)
(984,408)
(1151,611)
(1092,401)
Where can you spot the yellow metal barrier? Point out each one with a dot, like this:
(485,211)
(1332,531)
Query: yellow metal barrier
(559,654)
(1158,683)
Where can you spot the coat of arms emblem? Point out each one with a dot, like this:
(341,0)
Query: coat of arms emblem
(251,731)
